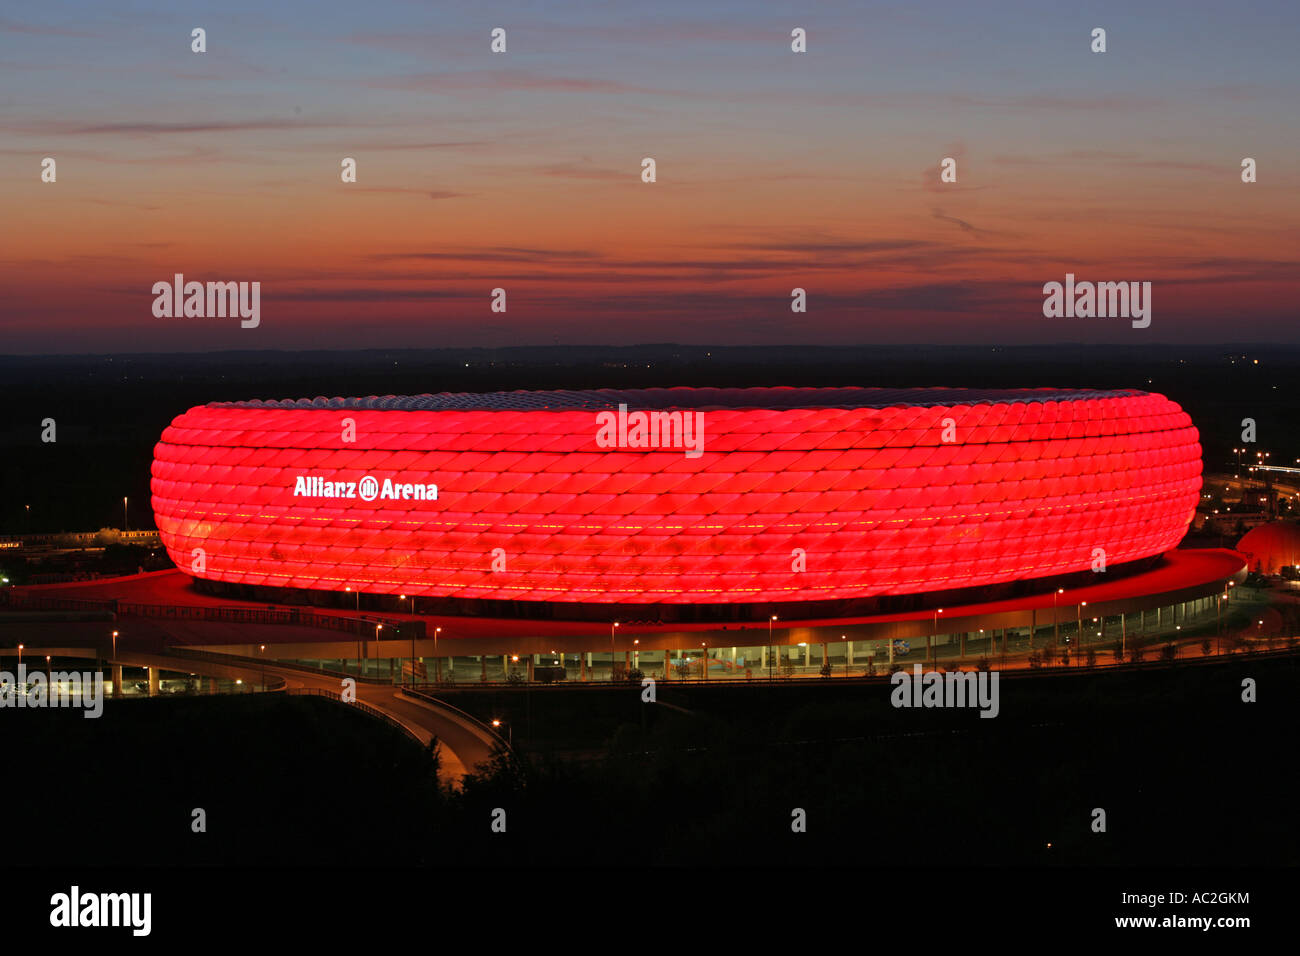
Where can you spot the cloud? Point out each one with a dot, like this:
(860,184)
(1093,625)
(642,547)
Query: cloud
(507,81)
(71,128)
(39,29)
(430,193)
(960,223)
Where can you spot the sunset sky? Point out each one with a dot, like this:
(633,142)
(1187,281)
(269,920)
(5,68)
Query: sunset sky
(522,170)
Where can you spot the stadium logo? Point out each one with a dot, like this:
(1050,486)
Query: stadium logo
(651,430)
(367,489)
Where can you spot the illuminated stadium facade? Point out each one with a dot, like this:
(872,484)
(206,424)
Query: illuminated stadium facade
(692,511)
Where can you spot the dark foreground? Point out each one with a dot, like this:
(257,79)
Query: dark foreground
(1186,773)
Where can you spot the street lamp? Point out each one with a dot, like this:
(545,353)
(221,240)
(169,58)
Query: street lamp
(611,649)
(1079,620)
(933,638)
(1056,625)
(126,525)
(770,646)
(261,649)
(510,730)
(437,667)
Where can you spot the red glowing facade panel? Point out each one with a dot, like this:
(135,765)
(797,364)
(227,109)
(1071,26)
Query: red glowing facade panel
(674,495)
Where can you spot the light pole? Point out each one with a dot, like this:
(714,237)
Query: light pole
(770,621)
(412,656)
(436,666)
(1056,626)
(933,637)
(611,649)
(126,525)
(378,628)
(510,730)
(261,649)
(1218,630)
(1079,618)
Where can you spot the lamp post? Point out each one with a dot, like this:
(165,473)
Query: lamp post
(1218,630)
(933,637)
(1079,617)
(1056,626)
(378,628)
(510,730)
(611,649)
(126,525)
(261,649)
(412,656)
(770,647)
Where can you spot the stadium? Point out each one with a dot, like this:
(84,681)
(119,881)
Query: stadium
(633,520)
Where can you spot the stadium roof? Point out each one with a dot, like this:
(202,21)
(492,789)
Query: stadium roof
(690,398)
